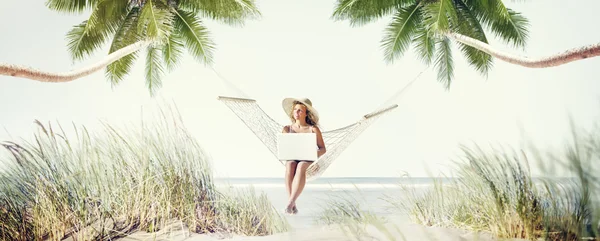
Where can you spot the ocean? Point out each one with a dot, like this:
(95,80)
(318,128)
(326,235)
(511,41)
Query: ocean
(370,193)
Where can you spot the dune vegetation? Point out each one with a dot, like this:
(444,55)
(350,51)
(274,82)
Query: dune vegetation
(108,183)
(494,191)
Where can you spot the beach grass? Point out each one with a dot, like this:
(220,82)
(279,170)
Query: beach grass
(343,207)
(244,211)
(494,191)
(105,184)
(344,211)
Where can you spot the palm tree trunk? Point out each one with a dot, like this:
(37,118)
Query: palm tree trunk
(544,62)
(29,73)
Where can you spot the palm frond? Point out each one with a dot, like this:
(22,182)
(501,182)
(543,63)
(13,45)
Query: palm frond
(91,34)
(468,22)
(444,63)
(507,24)
(195,35)
(81,42)
(398,35)
(425,45)
(512,30)
(125,35)
(469,25)
(154,70)
(155,21)
(480,60)
(71,6)
(484,10)
(112,12)
(172,50)
(233,12)
(439,16)
(361,12)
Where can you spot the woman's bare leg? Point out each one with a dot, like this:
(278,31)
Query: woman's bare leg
(290,171)
(298,183)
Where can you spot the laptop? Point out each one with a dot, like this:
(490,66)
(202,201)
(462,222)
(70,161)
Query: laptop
(297,146)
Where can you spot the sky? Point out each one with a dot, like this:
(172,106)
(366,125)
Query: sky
(296,50)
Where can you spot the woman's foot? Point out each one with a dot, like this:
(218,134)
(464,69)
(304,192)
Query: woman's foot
(288,210)
(291,209)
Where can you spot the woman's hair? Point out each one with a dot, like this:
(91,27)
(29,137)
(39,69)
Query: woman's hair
(310,117)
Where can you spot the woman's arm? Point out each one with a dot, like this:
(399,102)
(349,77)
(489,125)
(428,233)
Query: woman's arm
(320,142)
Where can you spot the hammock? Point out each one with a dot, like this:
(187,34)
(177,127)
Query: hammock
(266,129)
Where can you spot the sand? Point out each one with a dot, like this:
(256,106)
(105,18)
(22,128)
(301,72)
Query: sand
(398,230)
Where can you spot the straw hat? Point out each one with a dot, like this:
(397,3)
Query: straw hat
(288,105)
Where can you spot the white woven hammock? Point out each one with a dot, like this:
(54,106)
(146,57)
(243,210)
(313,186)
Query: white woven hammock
(266,129)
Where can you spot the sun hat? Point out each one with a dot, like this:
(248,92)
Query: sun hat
(288,105)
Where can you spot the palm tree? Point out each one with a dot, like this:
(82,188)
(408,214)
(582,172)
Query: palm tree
(431,24)
(164,28)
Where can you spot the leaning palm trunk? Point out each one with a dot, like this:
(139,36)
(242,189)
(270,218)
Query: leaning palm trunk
(545,62)
(25,72)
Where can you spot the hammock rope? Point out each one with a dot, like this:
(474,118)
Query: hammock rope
(265,128)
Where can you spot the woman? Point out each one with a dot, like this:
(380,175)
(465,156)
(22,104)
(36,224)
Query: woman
(305,119)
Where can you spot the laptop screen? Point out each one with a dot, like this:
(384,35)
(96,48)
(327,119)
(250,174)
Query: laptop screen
(297,146)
